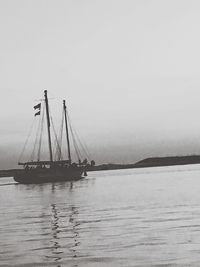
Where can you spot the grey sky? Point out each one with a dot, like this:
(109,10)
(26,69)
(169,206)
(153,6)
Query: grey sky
(129,71)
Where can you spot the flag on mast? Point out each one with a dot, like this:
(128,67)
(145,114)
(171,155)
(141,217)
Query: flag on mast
(37,113)
(38,107)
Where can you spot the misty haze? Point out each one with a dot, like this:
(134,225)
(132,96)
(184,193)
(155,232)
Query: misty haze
(129,72)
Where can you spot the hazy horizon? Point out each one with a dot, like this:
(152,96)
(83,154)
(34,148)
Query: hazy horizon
(129,71)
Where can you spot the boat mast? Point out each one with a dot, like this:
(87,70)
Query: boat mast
(67,132)
(48,124)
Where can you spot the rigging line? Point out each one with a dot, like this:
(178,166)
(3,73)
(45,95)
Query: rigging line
(25,144)
(41,132)
(60,136)
(85,150)
(78,153)
(36,140)
(61,132)
(56,138)
(74,142)
(75,146)
(54,149)
(82,146)
(54,143)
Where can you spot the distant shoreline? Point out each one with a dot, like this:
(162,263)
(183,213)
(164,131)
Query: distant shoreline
(145,163)
(151,162)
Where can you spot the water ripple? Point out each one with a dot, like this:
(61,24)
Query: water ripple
(119,218)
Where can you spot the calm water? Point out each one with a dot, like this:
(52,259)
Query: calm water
(142,217)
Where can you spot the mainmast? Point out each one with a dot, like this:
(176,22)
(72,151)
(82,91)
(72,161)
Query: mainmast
(48,124)
(67,132)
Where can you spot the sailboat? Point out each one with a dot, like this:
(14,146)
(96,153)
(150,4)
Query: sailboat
(52,170)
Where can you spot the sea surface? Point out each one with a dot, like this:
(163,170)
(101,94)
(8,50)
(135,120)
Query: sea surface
(134,217)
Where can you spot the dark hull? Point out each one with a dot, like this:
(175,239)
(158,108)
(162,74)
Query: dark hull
(48,175)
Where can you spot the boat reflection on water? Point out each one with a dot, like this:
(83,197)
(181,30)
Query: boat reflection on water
(75,234)
(64,232)
(54,217)
(56,248)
